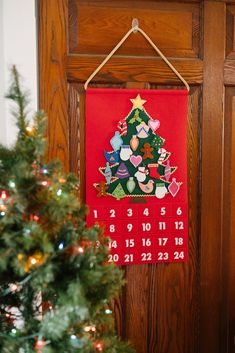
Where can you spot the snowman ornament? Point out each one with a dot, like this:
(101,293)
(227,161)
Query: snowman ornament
(141,174)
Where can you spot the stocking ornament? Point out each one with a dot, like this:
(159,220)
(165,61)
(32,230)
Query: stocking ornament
(153,173)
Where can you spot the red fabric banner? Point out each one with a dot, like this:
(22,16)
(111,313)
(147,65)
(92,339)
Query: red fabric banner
(136,172)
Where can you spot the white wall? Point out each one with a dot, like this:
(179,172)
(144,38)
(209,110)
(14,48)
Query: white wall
(18,46)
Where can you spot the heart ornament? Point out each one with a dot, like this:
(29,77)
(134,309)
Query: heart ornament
(136,160)
(153,124)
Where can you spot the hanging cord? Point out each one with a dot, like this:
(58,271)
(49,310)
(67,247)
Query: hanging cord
(134,29)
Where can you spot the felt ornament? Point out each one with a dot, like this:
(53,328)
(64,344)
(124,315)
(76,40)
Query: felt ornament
(108,173)
(167,171)
(157,142)
(162,152)
(160,191)
(122,171)
(130,184)
(102,188)
(147,151)
(136,118)
(153,173)
(134,143)
(112,157)
(118,192)
(174,187)
(153,124)
(125,152)
(122,126)
(147,188)
(136,160)
(141,174)
(142,130)
(116,141)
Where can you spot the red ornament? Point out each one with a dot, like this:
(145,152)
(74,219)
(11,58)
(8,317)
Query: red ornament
(40,344)
(99,346)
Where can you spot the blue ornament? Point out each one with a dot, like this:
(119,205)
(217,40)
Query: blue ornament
(116,141)
(108,173)
(112,157)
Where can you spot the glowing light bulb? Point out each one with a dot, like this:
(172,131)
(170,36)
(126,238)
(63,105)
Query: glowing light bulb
(108,311)
(12,184)
(29,129)
(73,337)
(33,261)
(59,192)
(4,195)
(61,246)
(44,183)
(3,213)
(13,331)
(80,250)
(99,346)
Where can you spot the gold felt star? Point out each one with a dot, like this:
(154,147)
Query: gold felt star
(138,102)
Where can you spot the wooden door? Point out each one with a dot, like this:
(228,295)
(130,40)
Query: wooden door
(164,308)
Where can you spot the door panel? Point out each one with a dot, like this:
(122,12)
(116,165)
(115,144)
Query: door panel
(163,308)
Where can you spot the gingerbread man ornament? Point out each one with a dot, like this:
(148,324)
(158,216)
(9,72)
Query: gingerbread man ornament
(147,150)
(101,187)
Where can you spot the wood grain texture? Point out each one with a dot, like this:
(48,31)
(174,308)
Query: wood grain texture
(173,288)
(212,176)
(123,69)
(52,38)
(228,274)
(229,72)
(110,20)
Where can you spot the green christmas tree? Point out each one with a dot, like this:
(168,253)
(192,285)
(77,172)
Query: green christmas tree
(55,282)
(139,164)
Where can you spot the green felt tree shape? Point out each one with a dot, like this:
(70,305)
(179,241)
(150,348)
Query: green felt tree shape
(139,164)
(55,282)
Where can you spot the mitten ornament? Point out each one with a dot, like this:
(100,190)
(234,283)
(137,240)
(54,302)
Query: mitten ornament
(125,152)
(160,191)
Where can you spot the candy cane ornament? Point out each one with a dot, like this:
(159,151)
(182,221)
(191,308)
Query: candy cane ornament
(122,125)
(162,152)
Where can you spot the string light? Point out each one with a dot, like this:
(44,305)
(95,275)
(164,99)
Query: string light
(73,337)
(89,328)
(99,346)
(3,195)
(29,129)
(44,183)
(33,260)
(59,192)
(61,246)
(108,311)
(12,184)
(13,331)
(80,250)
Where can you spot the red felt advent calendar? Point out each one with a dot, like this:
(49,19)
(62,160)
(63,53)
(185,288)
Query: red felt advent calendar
(136,172)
